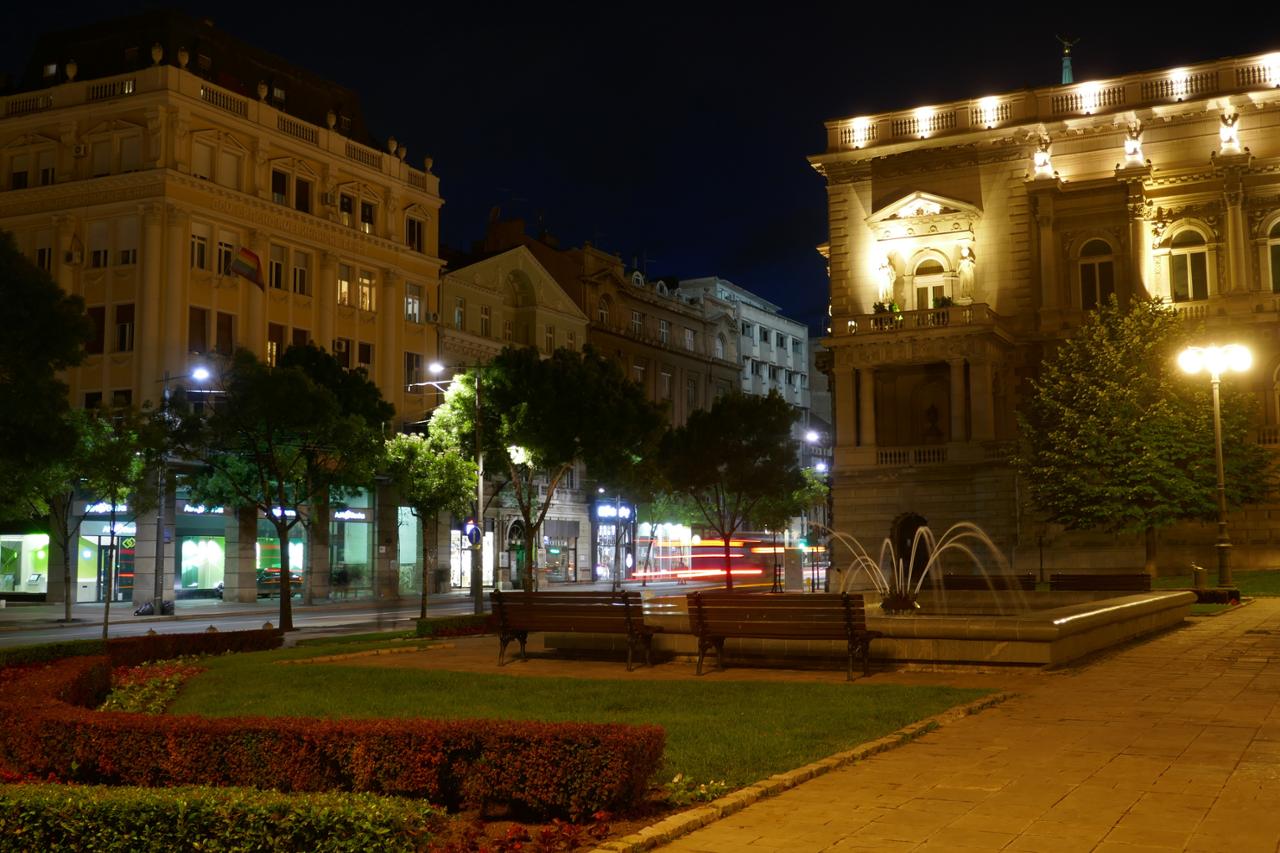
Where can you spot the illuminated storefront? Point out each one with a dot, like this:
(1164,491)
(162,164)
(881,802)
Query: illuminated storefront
(94,564)
(24,563)
(460,554)
(559,556)
(201,550)
(664,551)
(613,539)
(351,547)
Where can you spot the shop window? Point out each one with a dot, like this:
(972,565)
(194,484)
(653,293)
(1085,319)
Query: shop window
(1188,266)
(124,327)
(1097,275)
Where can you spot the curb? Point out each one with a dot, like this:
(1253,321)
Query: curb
(671,828)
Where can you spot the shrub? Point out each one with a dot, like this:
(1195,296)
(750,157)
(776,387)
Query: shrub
(455,626)
(57,818)
(131,651)
(149,688)
(50,651)
(560,769)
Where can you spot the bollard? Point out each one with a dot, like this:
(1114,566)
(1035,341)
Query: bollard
(1200,576)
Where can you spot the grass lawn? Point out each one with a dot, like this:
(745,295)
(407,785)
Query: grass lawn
(1249,583)
(738,732)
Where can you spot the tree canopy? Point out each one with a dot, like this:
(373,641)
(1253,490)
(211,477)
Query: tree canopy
(734,460)
(1117,438)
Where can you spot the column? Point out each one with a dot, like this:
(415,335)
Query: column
(866,404)
(254,334)
(386,559)
(982,400)
(150,298)
(1139,240)
(240,579)
(1237,235)
(842,394)
(957,399)
(321,554)
(326,299)
(1050,296)
(389,364)
(173,330)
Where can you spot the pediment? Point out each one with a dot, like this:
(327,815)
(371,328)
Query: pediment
(112,126)
(921,213)
(517,271)
(30,139)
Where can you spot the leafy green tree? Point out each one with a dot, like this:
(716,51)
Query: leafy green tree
(731,460)
(358,398)
(45,332)
(276,442)
(540,416)
(778,508)
(432,476)
(1115,437)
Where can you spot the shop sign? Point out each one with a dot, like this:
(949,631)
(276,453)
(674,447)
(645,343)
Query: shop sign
(350,515)
(104,508)
(201,509)
(287,513)
(611,511)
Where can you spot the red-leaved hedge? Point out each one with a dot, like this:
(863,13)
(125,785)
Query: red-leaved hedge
(561,769)
(131,651)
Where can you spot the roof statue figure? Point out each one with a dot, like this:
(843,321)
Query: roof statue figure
(1067,44)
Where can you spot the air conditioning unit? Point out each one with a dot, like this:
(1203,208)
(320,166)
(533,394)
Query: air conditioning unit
(328,198)
(340,345)
(432,317)
(80,149)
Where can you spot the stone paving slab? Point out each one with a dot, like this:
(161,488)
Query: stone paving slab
(1169,744)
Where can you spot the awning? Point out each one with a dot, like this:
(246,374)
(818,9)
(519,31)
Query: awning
(558,528)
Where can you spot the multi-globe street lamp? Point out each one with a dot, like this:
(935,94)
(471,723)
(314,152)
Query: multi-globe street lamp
(1217,361)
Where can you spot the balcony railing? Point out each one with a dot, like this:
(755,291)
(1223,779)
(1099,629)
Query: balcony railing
(901,457)
(1269,436)
(930,318)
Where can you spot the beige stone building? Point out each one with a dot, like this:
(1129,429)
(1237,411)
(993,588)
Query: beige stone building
(139,160)
(965,237)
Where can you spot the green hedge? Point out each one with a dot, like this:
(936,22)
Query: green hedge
(455,626)
(131,651)
(56,818)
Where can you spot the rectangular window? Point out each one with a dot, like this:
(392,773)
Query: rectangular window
(127,241)
(197,330)
(664,385)
(366,291)
(346,209)
(691,394)
(225,334)
(45,167)
(364,355)
(301,337)
(664,331)
(131,154)
(344,284)
(413,303)
(93,400)
(275,342)
(746,330)
(413,233)
(124,327)
(19,167)
(571,340)
(637,374)
(202,160)
(279,187)
(98,322)
(342,351)
(275,267)
(199,248)
(764,335)
(229,169)
(413,371)
(689,339)
(1275,267)
(549,338)
(99,244)
(506,331)
(795,346)
(366,217)
(1190,276)
(486,321)
(637,323)
(780,340)
(226,254)
(302,273)
(459,312)
(302,195)
(44,258)
(122,398)
(101,162)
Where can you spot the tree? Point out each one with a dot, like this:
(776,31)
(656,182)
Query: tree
(733,459)
(432,477)
(541,416)
(45,332)
(275,442)
(358,397)
(1115,437)
(776,509)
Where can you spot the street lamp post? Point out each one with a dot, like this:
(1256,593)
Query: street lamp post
(199,374)
(1218,360)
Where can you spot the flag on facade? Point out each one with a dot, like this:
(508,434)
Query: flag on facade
(247,265)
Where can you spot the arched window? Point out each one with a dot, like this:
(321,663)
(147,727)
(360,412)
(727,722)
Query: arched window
(1188,266)
(930,282)
(602,311)
(1097,275)
(720,346)
(1273,249)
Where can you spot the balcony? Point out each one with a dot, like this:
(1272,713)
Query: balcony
(929,455)
(955,316)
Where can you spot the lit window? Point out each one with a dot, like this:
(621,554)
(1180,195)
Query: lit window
(346,209)
(367,214)
(344,284)
(930,284)
(366,291)
(1097,275)
(275,342)
(413,303)
(1188,266)
(302,273)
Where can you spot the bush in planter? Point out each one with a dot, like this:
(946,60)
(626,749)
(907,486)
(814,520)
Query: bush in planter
(455,626)
(56,818)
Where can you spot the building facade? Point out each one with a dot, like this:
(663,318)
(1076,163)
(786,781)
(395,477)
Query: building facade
(967,237)
(202,196)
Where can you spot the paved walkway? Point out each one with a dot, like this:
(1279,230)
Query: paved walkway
(1170,744)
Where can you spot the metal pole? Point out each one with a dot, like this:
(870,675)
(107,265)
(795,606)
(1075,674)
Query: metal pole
(477,551)
(1223,544)
(617,542)
(157,601)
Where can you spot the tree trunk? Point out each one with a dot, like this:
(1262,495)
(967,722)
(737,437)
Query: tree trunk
(60,526)
(728,566)
(286,587)
(427,563)
(1150,542)
(111,569)
(530,579)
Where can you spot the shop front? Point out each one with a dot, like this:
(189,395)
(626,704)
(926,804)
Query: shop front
(559,556)
(351,561)
(268,558)
(461,532)
(612,539)
(105,554)
(201,550)
(24,564)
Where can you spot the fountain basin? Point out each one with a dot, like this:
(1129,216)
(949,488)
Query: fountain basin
(1048,628)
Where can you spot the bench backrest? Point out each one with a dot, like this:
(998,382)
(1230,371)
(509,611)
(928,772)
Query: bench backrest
(966,582)
(1138,581)
(746,614)
(588,612)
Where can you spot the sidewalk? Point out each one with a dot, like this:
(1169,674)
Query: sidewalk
(1170,744)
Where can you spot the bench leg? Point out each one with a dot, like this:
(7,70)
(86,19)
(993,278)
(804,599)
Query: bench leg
(502,648)
(720,653)
(522,636)
(631,644)
(648,650)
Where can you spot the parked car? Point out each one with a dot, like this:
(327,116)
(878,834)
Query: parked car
(269,583)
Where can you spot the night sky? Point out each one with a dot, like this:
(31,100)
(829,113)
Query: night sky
(673,135)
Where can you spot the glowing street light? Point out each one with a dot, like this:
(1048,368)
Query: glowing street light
(1216,361)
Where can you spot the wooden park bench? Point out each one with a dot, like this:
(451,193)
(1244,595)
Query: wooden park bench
(1136,582)
(716,616)
(989,582)
(520,613)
